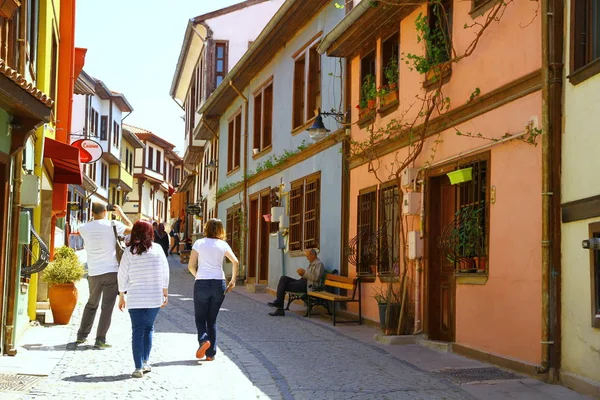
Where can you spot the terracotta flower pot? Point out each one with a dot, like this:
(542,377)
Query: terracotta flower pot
(63,298)
(371,104)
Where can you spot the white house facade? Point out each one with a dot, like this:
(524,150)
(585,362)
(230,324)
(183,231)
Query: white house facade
(279,190)
(212,45)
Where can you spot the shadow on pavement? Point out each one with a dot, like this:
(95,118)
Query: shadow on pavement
(93,379)
(178,362)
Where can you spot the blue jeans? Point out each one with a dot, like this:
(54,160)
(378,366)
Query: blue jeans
(208,297)
(142,327)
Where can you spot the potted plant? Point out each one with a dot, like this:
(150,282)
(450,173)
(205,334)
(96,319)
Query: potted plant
(391,73)
(61,274)
(465,238)
(460,175)
(368,97)
(387,296)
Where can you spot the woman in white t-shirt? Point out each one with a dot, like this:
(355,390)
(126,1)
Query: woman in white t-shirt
(206,264)
(144,275)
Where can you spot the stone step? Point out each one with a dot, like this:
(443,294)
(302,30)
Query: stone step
(256,288)
(442,347)
(42,305)
(44,316)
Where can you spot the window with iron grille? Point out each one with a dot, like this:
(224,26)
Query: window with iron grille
(389,230)
(233,228)
(472,196)
(305,213)
(366,246)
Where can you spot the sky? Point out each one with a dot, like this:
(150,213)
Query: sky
(133,47)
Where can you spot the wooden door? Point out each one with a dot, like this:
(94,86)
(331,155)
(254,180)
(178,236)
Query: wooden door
(253,222)
(441,294)
(263,256)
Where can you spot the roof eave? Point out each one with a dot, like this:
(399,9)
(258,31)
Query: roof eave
(187,38)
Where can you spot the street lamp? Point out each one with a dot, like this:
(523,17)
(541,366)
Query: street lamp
(212,165)
(318,131)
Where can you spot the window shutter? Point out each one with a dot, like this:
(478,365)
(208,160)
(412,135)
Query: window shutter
(258,99)
(296,222)
(312,214)
(230,146)
(314,81)
(267,130)
(238,137)
(298,106)
(103,127)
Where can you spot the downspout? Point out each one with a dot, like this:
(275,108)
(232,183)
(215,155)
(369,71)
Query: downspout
(216,158)
(123,119)
(552,48)
(245,172)
(13,266)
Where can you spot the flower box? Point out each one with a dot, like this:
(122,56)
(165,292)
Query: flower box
(8,8)
(389,98)
(460,175)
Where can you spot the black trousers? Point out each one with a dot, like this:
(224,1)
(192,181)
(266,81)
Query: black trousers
(290,285)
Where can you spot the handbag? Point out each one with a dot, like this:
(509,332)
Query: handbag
(120,244)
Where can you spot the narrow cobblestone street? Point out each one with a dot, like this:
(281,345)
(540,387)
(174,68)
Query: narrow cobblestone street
(259,357)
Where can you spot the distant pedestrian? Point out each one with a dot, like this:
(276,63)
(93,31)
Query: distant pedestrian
(162,238)
(99,241)
(175,235)
(206,264)
(144,275)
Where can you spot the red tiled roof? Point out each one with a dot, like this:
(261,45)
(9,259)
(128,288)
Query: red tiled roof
(24,84)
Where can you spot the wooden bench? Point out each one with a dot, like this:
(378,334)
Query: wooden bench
(340,282)
(293,296)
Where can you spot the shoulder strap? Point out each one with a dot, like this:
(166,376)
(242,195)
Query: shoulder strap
(115,229)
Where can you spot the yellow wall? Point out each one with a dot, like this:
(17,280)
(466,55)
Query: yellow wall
(580,163)
(48,25)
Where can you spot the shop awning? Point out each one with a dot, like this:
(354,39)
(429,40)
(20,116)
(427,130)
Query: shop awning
(67,167)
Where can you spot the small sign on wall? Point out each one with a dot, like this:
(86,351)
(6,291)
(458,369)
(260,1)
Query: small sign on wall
(90,151)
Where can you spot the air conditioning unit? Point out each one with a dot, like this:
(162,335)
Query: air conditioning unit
(411,203)
(408,177)
(30,191)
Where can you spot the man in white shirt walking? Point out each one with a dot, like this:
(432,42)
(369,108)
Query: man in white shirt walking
(100,245)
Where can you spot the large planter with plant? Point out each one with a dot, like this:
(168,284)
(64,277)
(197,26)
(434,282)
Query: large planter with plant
(389,302)
(61,274)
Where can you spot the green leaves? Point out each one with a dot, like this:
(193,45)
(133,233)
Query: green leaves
(65,268)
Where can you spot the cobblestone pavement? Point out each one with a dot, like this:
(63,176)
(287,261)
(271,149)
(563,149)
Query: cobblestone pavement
(259,357)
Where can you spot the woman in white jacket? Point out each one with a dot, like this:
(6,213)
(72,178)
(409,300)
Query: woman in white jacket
(144,275)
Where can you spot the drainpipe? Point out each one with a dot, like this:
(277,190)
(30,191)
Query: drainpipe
(13,266)
(245,202)
(552,54)
(211,130)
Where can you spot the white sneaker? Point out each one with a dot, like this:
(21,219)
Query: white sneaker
(146,368)
(138,373)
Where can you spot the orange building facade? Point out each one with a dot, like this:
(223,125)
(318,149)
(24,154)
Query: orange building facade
(494,101)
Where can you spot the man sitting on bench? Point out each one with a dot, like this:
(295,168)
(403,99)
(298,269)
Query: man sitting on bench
(308,277)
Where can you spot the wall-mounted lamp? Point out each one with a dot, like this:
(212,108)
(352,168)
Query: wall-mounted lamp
(119,187)
(318,131)
(212,165)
